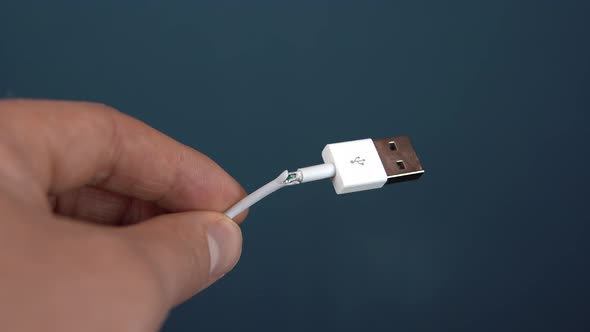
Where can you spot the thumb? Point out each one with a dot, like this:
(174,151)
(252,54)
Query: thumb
(188,250)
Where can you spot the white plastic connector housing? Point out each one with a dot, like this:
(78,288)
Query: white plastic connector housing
(358,166)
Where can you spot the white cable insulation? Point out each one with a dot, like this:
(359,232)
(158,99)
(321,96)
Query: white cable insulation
(317,172)
(303,175)
(259,194)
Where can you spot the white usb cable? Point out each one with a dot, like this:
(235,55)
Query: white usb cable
(353,166)
(286,178)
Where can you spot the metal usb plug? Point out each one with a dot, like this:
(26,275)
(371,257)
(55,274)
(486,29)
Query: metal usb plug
(399,159)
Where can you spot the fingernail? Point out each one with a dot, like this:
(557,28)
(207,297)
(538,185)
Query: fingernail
(225,247)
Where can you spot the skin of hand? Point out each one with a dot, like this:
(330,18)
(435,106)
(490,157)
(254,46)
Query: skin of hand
(105,223)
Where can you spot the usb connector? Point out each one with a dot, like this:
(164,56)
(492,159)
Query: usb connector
(399,159)
(367,164)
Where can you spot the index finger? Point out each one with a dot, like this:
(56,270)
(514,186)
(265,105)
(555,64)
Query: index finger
(60,146)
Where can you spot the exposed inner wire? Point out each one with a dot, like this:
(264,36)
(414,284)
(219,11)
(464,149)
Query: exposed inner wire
(293,178)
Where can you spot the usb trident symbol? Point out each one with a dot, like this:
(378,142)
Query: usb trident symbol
(358,160)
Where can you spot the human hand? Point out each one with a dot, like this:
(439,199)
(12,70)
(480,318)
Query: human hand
(106,224)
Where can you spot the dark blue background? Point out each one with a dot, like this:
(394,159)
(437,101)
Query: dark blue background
(494,94)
